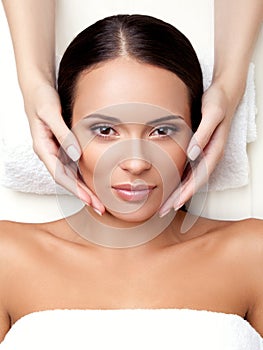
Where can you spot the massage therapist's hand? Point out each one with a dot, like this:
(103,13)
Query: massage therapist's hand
(234,41)
(206,147)
(49,132)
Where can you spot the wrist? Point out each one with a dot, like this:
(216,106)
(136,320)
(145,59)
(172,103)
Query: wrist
(232,84)
(35,80)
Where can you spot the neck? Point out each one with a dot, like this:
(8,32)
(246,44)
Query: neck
(108,231)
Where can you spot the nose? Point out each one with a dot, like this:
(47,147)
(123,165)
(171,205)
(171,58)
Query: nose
(136,161)
(135,166)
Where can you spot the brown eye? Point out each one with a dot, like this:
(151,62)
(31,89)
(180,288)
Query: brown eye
(164,131)
(106,130)
(103,131)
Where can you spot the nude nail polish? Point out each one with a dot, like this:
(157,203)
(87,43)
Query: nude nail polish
(97,211)
(73,153)
(161,215)
(194,152)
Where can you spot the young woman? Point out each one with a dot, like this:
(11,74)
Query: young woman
(130,89)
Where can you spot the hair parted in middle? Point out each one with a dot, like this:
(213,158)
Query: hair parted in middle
(141,37)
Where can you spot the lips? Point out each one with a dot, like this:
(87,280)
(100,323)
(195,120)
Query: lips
(133,192)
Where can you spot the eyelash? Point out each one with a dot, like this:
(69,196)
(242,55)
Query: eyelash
(95,130)
(173,129)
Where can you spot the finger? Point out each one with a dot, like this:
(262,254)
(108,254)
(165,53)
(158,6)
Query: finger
(44,142)
(95,202)
(169,204)
(66,177)
(66,138)
(47,122)
(199,174)
(192,185)
(48,152)
(175,198)
(178,197)
(212,116)
(187,189)
(212,154)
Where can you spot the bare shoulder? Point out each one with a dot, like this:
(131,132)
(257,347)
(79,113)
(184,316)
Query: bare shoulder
(245,246)
(239,242)
(5,322)
(26,243)
(236,234)
(14,237)
(19,243)
(15,242)
(5,244)
(247,233)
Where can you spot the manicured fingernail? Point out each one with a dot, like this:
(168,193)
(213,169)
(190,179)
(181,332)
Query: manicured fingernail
(97,211)
(73,153)
(194,152)
(178,207)
(161,215)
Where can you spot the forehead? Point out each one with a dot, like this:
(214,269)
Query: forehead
(123,81)
(134,112)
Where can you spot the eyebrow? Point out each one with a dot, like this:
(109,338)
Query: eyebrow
(164,119)
(118,121)
(104,117)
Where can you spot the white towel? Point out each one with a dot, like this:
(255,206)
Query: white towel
(132,329)
(233,170)
(23,171)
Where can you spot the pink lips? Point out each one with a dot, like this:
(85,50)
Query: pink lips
(133,193)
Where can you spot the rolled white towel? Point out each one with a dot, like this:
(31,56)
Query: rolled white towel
(131,329)
(23,171)
(233,169)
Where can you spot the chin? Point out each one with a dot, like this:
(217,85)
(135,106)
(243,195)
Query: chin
(139,216)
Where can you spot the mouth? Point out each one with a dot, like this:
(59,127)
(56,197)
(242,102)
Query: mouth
(133,193)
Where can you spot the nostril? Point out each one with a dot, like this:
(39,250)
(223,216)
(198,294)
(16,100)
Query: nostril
(135,165)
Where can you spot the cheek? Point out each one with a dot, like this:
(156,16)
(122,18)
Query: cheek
(179,159)
(87,165)
(172,175)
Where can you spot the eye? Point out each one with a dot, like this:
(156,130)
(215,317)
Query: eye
(162,131)
(104,131)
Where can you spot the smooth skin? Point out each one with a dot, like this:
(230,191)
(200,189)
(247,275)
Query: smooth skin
(216,265)
(237,23)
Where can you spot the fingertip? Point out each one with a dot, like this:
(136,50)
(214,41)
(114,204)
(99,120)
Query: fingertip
(73,153)
(193,152)
(178,206)
(97,211)
(162,213)
(97,206)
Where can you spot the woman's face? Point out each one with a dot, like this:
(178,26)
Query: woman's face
(133,123)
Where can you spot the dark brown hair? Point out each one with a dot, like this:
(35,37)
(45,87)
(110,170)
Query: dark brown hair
(144,38)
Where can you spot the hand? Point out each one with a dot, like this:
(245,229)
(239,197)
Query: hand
(49,132)
(207,145)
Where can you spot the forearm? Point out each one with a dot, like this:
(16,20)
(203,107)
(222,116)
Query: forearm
(32,27)
(237,23)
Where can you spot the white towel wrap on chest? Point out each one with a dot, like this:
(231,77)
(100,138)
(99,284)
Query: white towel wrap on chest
(181,329)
